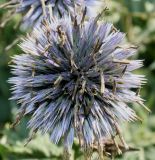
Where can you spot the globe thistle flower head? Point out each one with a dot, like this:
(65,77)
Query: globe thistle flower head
(35,10)
(75,80)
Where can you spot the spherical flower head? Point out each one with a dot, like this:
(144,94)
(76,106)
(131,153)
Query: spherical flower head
(75,80)
(35,10)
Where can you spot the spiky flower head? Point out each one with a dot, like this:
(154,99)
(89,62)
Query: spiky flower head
(34,10)
(75,80)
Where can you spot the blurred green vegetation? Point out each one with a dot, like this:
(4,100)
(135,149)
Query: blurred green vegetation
(134,17)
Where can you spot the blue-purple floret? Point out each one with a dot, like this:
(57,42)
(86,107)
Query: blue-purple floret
(75,80)
(33,10)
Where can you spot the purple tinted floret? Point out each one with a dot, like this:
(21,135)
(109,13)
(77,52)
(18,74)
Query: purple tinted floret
(33,10)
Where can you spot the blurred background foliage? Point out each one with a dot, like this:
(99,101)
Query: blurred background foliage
(134,17)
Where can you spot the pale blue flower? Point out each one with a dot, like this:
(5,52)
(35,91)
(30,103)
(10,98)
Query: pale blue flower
(75,80)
